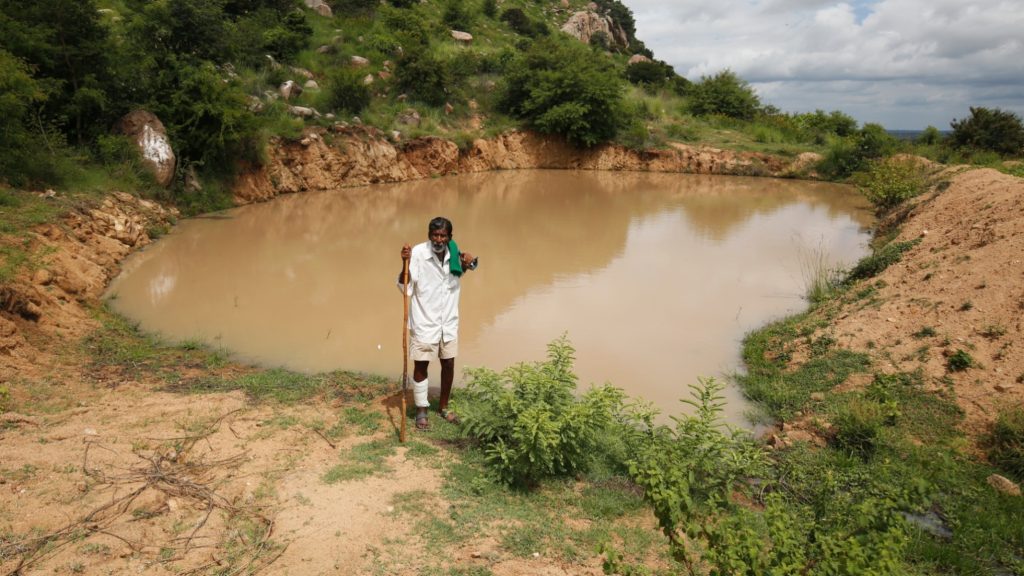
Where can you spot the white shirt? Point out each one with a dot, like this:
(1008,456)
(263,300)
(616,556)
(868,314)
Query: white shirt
(434,306)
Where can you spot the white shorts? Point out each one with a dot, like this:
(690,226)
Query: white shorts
(425,352)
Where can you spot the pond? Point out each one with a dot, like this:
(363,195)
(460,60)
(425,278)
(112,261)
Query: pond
(655,278)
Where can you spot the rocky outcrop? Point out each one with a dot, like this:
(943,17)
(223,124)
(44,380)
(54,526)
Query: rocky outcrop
(583,25)
(150,136)
(361,155)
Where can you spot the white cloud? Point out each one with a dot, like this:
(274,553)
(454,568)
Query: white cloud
(904,63)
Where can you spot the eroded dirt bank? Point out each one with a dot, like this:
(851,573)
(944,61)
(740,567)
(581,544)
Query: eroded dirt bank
(327,159)
(130,477)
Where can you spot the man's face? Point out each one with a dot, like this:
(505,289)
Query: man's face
(439,240)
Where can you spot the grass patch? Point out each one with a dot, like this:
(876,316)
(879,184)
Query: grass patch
(362,461)
(884,257)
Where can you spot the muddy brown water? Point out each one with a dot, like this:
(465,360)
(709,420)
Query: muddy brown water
(655,278)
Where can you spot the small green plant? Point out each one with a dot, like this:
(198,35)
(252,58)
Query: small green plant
(5,398)
(967,305)
(924,332)
(1005,443)
(993,331)
(960,360)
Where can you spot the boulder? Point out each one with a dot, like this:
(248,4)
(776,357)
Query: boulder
(462,37)
(368,79)
(1003,484)
(289,89)
(149,134)
(638,58)
(359,61)
(302,72)
(311,85)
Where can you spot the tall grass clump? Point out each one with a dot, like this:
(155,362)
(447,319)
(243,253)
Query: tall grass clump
(821,280)
(1006,442)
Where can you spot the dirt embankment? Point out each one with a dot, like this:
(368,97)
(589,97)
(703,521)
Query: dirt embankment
(328,159)
(953,306)
(41,310)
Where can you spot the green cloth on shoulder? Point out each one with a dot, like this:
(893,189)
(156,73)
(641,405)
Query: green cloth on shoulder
(454,262)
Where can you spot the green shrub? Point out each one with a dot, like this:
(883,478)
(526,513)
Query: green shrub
(819,122)
(457,16)
(518,21)
(490,8)
(560,86)
(1005,443)
(857,426)
(888,255)
(724,93)
(930,136)
(996,130)
(345,91)
(530,424)
(853,153)
(424,77)
(23,158)
(5,398)
(890,182)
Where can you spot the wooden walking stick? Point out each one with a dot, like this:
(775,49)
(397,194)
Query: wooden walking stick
(405,342)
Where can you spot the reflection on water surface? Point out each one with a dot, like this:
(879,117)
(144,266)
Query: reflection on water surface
(655,277)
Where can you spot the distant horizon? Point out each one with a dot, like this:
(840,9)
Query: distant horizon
(906,63)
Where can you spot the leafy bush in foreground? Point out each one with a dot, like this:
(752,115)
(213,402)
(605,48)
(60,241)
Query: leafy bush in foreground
(726,94)
(530,423)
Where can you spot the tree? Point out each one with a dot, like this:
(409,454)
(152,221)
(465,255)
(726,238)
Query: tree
(996,130)
(66,46)
(20,155)
(724,93)
(562,87)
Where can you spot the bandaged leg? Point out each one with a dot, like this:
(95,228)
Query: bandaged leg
(419,393)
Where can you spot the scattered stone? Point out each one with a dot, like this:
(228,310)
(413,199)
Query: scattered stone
(311,85)
(271,62)
(192,182)
(42,277)
(817,396)
(357,120)
(1004,485)
(90,432)
(325,49)
(408,117)
(637,58)
(462,37)
(1002,387)
(254,105)
(448,108)
(473,105)
(402,97)
(329,115)
(384,75)
(320,7)
(396,136)
(302,72)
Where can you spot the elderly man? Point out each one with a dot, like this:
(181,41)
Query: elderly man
(435,274)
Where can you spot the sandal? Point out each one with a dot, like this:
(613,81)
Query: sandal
(450,416)
(422,423)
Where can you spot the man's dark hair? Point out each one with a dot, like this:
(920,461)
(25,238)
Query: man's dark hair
(439,223)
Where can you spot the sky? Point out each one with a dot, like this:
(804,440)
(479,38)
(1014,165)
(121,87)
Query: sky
(905,64)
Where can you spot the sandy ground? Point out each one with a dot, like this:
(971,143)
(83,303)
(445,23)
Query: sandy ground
(102,473)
